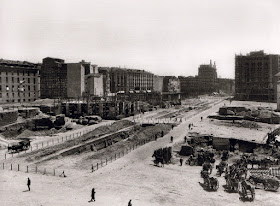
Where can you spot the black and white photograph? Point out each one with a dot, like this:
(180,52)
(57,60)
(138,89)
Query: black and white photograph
(139,102)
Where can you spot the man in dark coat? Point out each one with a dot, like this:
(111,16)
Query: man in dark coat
(171,138)
(92,195)
(129,203)
(28,183)
(181,161)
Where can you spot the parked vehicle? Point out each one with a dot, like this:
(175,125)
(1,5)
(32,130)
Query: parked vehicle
(19,146)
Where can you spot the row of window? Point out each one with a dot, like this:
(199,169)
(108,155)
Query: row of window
(21,88)
(24,73)
(18,100)
(18,80)
(18,94)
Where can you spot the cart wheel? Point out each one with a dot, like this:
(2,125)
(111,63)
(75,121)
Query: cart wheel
(216,186)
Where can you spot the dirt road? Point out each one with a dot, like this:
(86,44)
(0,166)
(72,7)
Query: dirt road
(131,177)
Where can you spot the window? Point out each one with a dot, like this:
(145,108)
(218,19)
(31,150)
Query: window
(28,73)
(7,79)
(18,80)
(12,79)
(28,80)
(34,80)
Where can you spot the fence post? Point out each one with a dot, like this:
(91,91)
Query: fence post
(27,168)
(53,172)
(101,163)
(91,168)
(97,165)
(11,166)
(5,156)
(36,169)
(62,139)
(58,140)
(3,165)
(42,144)
(18,167)
(106,161)
(115,156)
(111,159)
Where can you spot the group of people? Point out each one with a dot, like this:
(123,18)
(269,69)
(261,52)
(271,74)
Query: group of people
(92,192)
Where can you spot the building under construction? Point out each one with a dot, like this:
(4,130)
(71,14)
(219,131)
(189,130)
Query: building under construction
(255,76)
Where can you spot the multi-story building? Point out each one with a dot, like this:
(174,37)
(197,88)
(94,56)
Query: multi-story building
(105,71)
(126,80)
(255,76)
(19,81)
(189,85)
(207,78)
(168,86)
(226,86)
(68,80)
(53,78)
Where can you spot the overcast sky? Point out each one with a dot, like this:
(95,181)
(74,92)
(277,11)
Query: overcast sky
(166,37)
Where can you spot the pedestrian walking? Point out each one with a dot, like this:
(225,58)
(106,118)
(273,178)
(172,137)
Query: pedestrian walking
(201,118)
(181,161)
(171,138)
(156,137)
(172,126)
(92,195)
(28,183)
(190,126)
(162,133)
(129,203)
(185,138)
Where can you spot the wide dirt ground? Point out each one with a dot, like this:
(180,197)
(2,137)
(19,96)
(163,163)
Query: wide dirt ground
(130,177)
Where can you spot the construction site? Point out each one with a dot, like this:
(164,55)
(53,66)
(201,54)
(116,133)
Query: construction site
(126,159)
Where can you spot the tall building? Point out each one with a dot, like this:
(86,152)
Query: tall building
(207,78)
(189,86)
(68,80)
(53,78)
(19,81)
(126,80)
(255,76)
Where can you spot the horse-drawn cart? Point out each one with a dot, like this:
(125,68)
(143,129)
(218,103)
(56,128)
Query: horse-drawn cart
(246,191)
(19,146)
(269,183)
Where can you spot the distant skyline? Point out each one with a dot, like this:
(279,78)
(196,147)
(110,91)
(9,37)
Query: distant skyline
(160,36)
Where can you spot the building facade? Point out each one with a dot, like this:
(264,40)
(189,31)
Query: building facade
(126,80)
(255,76)
(189,86)
(68,80)
(19,81)
(226,86)
(53,78)
(207,78)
